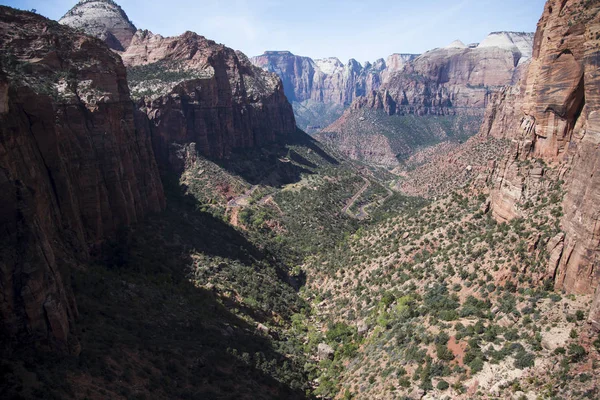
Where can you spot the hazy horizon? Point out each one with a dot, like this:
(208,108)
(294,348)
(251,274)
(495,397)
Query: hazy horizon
(342,29)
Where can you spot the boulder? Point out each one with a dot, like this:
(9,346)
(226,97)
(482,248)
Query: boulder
(325,351)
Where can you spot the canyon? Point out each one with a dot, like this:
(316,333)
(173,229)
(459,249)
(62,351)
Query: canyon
(453,85)
(168,230)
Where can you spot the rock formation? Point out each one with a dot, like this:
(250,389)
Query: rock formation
(552,115)
(456,76)
(450,87)
(200,96)
(73,168)
(326,86)
(198,92)
(103,19)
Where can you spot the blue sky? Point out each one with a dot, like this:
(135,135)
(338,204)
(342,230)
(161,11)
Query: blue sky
(364,30)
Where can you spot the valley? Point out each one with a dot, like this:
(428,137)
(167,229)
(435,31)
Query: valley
(180,221)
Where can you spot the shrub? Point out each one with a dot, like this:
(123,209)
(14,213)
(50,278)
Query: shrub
(476,365)
(524,360)
(444,353)
(576,353)
(443,385)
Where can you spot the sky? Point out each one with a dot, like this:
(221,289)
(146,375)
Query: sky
(364,30)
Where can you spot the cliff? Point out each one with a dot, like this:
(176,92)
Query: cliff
(73,168)
(321,89)
(449,88)
(200,97)
(552,116)
(201,94)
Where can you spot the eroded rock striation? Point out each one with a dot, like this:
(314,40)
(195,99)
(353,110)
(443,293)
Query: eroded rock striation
(74,168)
(104,19)
(552,116)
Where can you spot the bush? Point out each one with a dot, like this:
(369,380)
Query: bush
(524,360)
(443,385)
(576,352)
(476,365)
(444,353)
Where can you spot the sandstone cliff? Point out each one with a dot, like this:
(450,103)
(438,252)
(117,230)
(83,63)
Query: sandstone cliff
(103,19)
(73,168)
(449,88)
(201,97)
(201,94)
(552,116)
(321,89)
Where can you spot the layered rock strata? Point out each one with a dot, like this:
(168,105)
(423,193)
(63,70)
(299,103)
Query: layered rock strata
(552,116)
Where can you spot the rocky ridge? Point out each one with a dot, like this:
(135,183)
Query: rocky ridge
(200,94)
(327,85)
(453,85)
(200,97)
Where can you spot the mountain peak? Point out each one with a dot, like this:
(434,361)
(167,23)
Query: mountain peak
(521,42)
(103,19)
(457,44)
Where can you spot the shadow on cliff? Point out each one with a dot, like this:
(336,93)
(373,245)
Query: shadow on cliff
(278,163)
(146,331)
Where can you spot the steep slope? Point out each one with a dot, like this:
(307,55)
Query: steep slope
(444,91)
(320,89)
(74,168)
(104,19)
(552,116)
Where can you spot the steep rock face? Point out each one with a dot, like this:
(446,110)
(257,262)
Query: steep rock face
(327,80)
(453,78)
(326,86)
(73,168)
(450,86)
(197,92)
(103,19)
(553,116)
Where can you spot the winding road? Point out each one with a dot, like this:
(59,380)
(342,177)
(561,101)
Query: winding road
(357,195)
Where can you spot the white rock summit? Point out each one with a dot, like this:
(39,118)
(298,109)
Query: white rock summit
(104,19)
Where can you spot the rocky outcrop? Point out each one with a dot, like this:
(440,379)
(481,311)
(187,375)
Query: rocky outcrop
(200,97)
(103,19)
(73,168)
(442,81)
(553,116)
(202,94)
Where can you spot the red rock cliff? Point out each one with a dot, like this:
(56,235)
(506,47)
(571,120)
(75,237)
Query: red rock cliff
(553,115)
(202,94)
(73,168)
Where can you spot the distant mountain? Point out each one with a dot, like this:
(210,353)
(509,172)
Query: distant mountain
(320,89)
(439,95)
